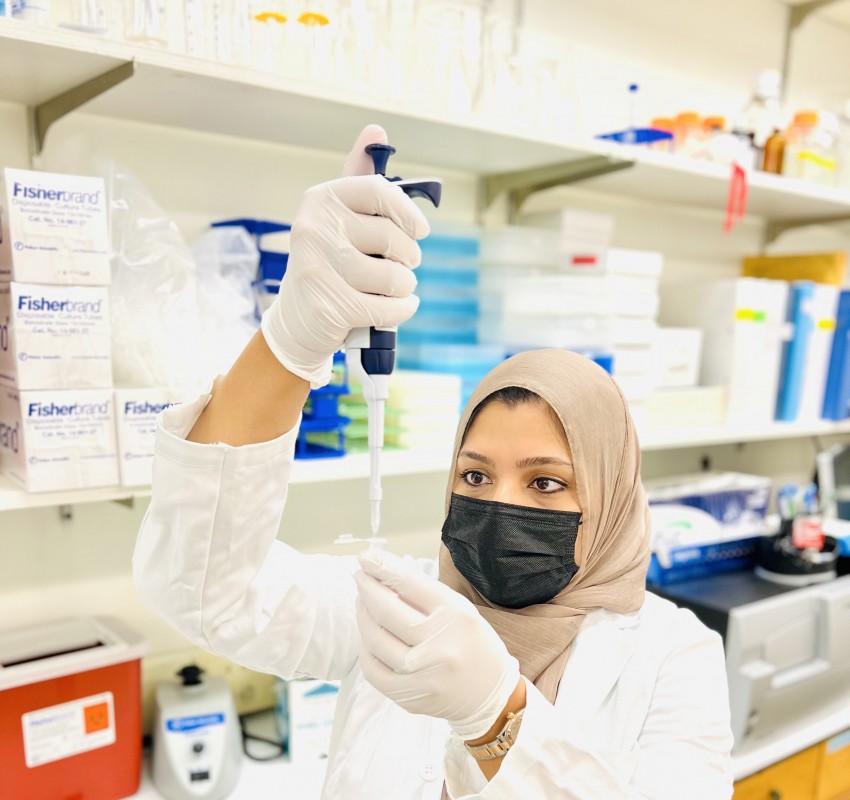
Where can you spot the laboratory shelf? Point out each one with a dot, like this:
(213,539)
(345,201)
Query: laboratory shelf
(12,498)
(39,63)
(664,178)
(356,466)
(696,437)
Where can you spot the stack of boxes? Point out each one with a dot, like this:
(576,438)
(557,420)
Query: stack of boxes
(422,412)
(57,421)
(540,288)
(442,336)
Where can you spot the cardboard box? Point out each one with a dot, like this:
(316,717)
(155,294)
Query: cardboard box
(55,229)
(136,411)
(818,267)
(58,439)
(54,337)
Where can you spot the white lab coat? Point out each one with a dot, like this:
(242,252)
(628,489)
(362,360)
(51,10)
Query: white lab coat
(642,710)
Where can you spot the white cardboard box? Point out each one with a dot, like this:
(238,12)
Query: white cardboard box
(135,418)
(744,330)
(59,439)
(54,337)
(678,356)
(55,229)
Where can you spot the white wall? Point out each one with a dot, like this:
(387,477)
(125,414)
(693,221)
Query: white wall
(684,53)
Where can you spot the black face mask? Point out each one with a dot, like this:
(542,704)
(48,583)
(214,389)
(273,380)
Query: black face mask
(514,556)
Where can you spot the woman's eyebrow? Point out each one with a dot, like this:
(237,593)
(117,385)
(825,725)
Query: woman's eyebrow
(542,461)
(477,457)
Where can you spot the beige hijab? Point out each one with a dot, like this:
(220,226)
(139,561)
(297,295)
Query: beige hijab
(615,513)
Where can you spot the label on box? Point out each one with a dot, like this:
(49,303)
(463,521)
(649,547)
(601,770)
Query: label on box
(60,439)
(54,337)
(61,731)
(136,411)
(58,228)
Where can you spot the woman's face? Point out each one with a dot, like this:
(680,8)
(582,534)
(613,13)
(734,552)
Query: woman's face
(518,455)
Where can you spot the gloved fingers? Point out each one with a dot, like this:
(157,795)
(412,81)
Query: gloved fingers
(379,641)
(358,161)
(414,586)
(375,195)
(383,312)
(379,276)
(389,611)
(383,678)
(380,236)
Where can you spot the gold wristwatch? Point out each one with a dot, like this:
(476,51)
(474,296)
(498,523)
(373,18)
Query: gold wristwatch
(502,743)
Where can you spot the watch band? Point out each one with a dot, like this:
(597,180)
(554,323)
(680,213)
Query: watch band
(502,743)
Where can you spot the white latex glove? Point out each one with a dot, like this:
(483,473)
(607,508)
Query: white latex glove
(428,649)
(333,282)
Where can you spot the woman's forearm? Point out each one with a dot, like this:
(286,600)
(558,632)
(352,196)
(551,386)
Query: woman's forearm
(258,400)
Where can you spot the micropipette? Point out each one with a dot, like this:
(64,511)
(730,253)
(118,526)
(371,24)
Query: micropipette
(370,352)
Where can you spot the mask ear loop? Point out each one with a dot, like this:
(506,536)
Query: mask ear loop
(375,542)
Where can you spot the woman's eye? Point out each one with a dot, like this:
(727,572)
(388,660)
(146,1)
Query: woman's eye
(474,478)
(547,485)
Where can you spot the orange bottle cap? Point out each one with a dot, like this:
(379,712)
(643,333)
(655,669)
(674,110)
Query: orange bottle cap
(806,118)
(662,124)
(688,118)
(714,123)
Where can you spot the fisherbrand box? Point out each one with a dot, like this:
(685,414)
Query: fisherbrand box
(55,229)
(57,440)
(54,337)
(136,411)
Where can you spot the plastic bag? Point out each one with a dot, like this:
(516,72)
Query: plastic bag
(179,316)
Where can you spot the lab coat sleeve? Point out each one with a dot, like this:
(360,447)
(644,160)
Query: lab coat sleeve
(207,558)
(683,749)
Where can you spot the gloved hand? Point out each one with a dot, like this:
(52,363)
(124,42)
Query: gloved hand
(333,282)
(428,649)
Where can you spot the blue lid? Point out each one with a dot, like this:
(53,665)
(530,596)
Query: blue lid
(256,227)
(637,136)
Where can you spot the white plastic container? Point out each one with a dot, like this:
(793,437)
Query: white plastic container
(517,246)
(677,357)
(599,332)
(58,229)
(54,337)
(743,321)
(59,439)
(686,408)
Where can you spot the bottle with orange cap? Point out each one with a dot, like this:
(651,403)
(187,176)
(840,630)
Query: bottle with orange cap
(687,133)
(809,149)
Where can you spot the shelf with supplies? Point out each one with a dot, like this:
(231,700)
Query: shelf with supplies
(350,467)
(740,434)
(113,79)
(423,461)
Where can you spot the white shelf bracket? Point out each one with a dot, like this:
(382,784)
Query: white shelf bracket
(796,16)
(127,502)
(775,228)
(42,116)
(520,185)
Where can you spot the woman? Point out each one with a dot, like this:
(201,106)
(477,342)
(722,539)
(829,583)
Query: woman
(535,665)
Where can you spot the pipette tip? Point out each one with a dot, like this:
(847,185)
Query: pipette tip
(376,517)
